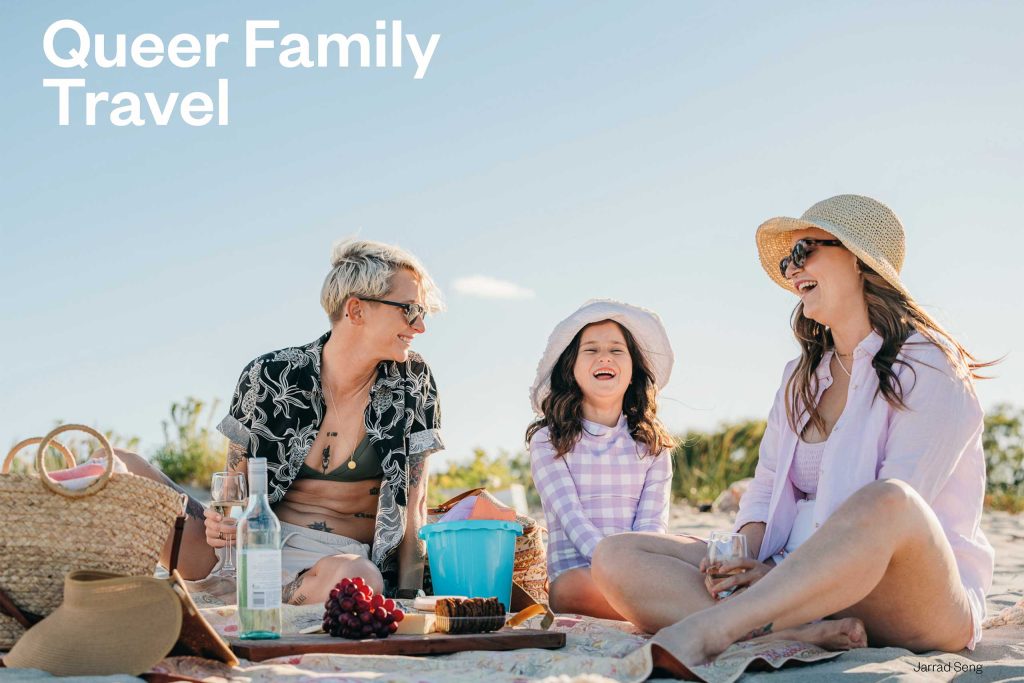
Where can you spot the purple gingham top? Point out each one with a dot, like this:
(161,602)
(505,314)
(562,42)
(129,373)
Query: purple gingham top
(606,485)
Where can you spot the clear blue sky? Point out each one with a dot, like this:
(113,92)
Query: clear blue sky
(582,149)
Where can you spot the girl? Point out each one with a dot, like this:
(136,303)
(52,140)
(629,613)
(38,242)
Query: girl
(600,457)
(867,498)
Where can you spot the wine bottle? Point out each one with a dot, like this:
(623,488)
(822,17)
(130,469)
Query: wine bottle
(259,561)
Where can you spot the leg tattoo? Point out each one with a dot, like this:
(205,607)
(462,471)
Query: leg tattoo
(290,591)
(757,632)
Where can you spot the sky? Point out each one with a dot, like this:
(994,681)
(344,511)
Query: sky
(552,152)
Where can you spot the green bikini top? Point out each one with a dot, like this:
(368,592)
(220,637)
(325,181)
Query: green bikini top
(367,466)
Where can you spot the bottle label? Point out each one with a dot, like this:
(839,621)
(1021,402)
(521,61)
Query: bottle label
(262,578)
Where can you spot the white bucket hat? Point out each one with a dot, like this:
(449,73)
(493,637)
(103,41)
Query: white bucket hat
(643,324)
(865,226)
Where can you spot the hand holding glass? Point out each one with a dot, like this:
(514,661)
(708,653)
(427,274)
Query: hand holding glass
(722,547)
(228,491)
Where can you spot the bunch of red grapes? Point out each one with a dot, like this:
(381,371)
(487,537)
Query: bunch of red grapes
(354,611)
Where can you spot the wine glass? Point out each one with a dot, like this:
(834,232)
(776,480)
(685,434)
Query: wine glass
(724,546)
(228,491)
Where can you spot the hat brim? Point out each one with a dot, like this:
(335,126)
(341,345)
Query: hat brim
(645,326)
(113,638)
(774,242)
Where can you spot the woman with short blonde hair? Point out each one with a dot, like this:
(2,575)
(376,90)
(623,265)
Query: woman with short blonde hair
(346,423)
(364,268)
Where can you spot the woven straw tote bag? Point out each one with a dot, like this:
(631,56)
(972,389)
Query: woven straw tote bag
(118,523)
(530,570)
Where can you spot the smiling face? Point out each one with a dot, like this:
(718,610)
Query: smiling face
(386,328)
(829,284)
(604,367)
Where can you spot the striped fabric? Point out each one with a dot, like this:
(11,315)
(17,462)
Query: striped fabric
(605,485)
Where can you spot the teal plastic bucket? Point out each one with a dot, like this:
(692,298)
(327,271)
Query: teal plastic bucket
(473,557)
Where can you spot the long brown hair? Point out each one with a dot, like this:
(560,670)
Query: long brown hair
(895,317)
(562,409)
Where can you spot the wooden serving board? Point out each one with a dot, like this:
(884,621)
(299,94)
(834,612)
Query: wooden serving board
(429,644)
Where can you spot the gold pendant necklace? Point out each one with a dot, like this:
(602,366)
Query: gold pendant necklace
(326,456)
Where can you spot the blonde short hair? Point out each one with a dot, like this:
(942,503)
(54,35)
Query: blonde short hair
(363,268)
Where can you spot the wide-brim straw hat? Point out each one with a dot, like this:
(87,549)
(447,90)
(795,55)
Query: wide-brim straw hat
(643,324)
(865,226)
(107,625)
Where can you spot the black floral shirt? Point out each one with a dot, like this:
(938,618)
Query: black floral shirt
(277,410)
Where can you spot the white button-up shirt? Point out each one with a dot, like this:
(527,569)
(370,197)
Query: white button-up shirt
(934,445)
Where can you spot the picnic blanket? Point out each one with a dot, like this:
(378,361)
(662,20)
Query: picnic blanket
(596,651)
(613,652)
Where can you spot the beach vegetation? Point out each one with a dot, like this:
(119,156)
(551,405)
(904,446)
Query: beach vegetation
(193,450)
(705,462)
(1003,440)
(481,470)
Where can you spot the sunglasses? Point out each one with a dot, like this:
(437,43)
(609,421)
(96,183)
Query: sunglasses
(412,311)
(801,250)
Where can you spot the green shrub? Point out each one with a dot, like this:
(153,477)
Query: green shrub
(493,473)
(1003,440)
(705,463)
(191,453)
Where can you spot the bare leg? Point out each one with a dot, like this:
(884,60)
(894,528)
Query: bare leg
(196,559)
(626,566)
(575,592)
(882,558)
(314,584)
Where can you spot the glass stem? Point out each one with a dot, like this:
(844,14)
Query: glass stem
(229,556)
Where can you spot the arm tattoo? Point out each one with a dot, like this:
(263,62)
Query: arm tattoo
(289,590)
(319,526)
(415,470)
(194,509)
(764,630)
(236,455)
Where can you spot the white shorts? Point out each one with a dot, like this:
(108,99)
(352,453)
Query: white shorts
(301,547)
(803,528)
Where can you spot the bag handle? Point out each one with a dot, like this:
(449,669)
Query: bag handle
(449,504)
(7,606)
(92,488)
(179,529)
(69,458)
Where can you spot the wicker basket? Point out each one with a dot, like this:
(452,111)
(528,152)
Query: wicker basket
(119,523)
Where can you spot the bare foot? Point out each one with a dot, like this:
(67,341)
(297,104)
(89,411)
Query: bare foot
(664,661)
(831,634)
(685,644)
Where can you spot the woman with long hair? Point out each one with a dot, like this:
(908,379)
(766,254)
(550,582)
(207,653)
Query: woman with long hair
(598,452)
(863,515)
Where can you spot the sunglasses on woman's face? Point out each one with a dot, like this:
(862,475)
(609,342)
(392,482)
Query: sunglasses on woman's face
(801,250)
(412,311)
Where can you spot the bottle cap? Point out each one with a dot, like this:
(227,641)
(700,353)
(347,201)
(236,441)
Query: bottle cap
(258,475)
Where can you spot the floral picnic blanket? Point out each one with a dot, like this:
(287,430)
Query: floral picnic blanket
(596,651)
